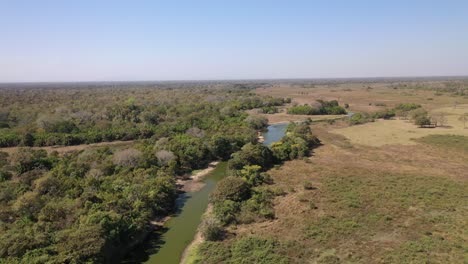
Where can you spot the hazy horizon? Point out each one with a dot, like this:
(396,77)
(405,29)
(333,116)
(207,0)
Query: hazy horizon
(112,41)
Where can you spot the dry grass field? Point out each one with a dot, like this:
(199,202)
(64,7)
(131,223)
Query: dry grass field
(365,97)
(391,132)
(384,192)
(392,204)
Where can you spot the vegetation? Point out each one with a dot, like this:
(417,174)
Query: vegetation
(245,250)
(324,108)
(455,142)
(87,206)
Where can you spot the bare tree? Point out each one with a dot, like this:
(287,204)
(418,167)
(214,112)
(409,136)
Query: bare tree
(464,119)
(439,118)
(196,132)
(164,157)
(127,157)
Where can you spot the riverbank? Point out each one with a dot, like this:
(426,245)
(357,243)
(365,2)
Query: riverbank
(190,183)
(172,235)
(189,254)
(193,182)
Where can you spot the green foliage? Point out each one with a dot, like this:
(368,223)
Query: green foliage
(360,118)
(211,229)
(27,159)
(257,122)
(226,211)
(253,175)
(325,108)
(422,121)
(251,154)
(296,144)
(230,188)
(303,110)
(269,110)
(406,107)
(259,206)
(242,251)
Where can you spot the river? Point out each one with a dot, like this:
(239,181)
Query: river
(166,246)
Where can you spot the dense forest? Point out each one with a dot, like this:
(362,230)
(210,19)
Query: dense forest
(87,205)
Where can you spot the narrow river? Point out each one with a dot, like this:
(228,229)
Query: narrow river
(166,246)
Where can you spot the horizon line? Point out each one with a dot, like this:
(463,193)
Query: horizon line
(242,79)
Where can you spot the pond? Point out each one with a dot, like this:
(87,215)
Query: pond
(274,133)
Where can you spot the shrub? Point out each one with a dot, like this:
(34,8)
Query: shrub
(165,157)
(127,158)
(251,154)
(422,121)
(257,122)
(308,186)
(360,118)
(226,211)
(211,229)
(230,188)
(254,176)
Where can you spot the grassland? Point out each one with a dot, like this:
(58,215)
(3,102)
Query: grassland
(388,132)
(383,192)
(402,204)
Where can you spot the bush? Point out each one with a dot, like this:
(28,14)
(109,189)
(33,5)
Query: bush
(254,176)
(422,121)
(360,118)
(225,211)
(257,122)
(127,158)
(211,229)
(308,186)
(251,154)
(325,108)
(230,188)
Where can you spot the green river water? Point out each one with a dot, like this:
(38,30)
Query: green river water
(167,245)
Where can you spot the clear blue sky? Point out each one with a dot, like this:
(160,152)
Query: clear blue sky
(91,40)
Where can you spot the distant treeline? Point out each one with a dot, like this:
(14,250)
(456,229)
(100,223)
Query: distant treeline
(324,108)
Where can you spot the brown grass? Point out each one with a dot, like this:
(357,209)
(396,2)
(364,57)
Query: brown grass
(392,132)
(390,204)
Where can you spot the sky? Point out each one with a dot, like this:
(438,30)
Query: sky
(90,40)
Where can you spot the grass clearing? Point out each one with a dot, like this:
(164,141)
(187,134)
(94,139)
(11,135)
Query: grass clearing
(447,141)
(390,132)
(401,204)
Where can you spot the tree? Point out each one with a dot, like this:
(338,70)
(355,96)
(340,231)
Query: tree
(464,119)
(257,122)
(251,154)
(422,121)
(230,188)
(439,118)
(211,229)
(127,157)
(26,159)
(417,113)
(165,157)
(253,175)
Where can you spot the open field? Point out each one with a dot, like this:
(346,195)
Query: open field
(365,97)
(400,204)
(389,132)
(382,192)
